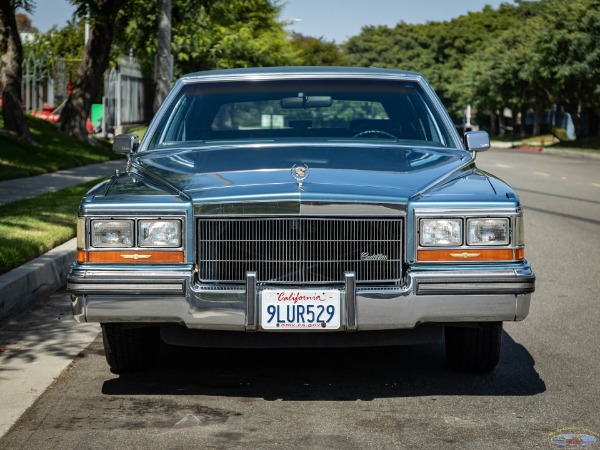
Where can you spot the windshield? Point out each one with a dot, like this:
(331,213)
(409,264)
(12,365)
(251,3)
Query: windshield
(208,112)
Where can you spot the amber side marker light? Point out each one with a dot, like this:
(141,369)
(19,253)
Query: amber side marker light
(470,255)
(81,256)
(135,257)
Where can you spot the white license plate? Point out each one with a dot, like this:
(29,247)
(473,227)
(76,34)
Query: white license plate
(283,309)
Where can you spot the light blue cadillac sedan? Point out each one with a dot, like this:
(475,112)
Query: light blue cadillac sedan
(301,206)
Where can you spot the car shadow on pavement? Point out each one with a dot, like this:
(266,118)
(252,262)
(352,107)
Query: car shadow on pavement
(327,374)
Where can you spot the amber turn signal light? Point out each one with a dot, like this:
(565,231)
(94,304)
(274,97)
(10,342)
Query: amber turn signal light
(135,257)
(497,254)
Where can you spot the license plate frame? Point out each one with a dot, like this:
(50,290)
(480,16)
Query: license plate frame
(300,309)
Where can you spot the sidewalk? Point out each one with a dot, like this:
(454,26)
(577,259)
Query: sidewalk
(22,188)
(35,348)
(38,336)
(39,278)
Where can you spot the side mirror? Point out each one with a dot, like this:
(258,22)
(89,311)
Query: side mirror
(477,141)
(125,144)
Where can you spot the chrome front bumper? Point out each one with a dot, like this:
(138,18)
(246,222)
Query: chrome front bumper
(171,296)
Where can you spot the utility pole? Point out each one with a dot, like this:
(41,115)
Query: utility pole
(163,63)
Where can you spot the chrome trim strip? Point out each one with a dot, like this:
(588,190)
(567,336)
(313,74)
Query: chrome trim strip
(350,290)
(295,208)
(126,287)
(251,302)
(474,288)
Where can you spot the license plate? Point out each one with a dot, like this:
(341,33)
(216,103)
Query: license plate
(300,309)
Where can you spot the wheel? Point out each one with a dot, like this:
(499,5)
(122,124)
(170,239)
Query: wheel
(129,349)
(474,349)
(374,133)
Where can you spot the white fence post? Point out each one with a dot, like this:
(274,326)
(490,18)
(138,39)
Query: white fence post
(123,95)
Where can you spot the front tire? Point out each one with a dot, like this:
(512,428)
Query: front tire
(474,349)
(130,349)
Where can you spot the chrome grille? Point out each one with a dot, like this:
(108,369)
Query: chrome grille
(300,250)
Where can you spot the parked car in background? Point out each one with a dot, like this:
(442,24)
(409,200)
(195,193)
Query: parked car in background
(286,207)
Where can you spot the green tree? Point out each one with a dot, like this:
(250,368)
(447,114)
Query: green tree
(24,24)
(66,43)
(314,51)
(567,50)
(212,34)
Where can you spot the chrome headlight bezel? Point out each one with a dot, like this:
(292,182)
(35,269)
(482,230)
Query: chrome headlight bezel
(427,231)
(89,231)
(111,233)
(502,225)
(144,233)
(507,246)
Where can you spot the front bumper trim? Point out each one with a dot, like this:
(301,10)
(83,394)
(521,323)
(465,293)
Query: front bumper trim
(426,297)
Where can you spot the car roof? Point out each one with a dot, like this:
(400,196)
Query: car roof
(303,70)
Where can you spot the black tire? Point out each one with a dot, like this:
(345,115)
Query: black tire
(474,349)
(130,349)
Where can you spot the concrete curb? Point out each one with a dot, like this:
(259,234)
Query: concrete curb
(37,279)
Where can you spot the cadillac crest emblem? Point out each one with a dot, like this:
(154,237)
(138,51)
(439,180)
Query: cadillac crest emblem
(300,173)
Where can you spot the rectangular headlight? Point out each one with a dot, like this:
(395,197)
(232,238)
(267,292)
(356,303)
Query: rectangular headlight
(159,233)
(441,232)
(488,232)
(112,233)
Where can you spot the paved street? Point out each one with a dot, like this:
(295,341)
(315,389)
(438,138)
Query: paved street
(548,379)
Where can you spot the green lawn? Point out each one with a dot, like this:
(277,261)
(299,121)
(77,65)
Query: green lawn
(54,151)
(29,228)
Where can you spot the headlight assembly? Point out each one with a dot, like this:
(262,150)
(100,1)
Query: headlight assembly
(159,233)
(488,232)
(441,232)
(112,233)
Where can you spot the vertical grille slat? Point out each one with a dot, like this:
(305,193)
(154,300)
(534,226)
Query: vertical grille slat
(299,249)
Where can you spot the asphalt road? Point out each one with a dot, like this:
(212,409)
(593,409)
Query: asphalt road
(547,382)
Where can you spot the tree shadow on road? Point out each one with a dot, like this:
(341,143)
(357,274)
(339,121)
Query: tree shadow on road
(327,374)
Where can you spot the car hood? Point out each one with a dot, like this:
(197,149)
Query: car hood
(333,172)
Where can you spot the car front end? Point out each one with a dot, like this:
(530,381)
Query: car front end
(302,229)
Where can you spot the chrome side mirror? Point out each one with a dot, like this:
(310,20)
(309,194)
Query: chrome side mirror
(125,144)
(477,141)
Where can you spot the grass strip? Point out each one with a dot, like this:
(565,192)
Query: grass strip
(31,227)
(54,151)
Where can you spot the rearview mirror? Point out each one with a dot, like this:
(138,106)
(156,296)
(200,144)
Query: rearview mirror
(477,141)
(310,101)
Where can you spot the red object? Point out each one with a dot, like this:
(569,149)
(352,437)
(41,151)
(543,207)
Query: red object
(528,148)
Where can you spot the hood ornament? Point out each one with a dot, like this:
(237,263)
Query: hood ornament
(300,173)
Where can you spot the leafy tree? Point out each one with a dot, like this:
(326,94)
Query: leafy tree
(11,71)
(567,50)
(212,34)
(66,43)
(313,51)
(24,24)
(438,50)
